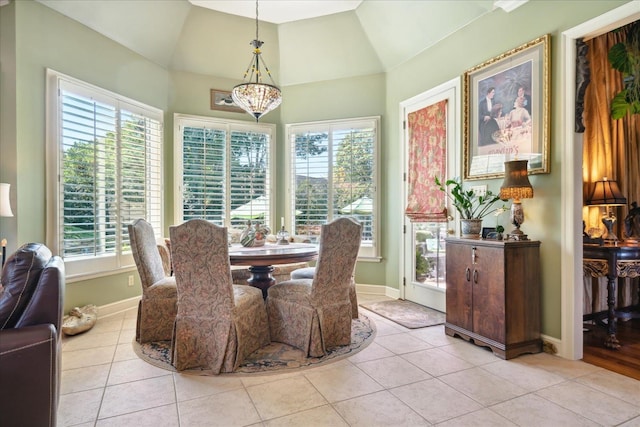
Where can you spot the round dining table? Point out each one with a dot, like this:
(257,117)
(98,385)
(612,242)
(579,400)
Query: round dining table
(261,260)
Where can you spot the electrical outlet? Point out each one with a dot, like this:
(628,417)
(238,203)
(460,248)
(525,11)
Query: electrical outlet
(480,190)
(131,280)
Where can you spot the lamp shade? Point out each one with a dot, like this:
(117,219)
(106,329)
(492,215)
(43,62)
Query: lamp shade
(516,183)
(256,98)
(606,193)
(5,202)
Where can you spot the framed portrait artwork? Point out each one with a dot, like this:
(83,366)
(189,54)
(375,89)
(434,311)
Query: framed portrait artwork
(221,100)
(506,111)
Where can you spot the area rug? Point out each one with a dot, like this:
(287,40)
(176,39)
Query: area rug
(407,313)
(272,358)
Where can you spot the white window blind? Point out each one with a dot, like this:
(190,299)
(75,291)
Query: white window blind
(109,162)
(333,173)
(224,171)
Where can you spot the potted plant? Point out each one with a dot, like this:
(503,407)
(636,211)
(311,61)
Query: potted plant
(471,206)
(625,57)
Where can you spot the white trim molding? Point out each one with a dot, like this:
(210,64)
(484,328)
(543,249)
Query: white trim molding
(508,5)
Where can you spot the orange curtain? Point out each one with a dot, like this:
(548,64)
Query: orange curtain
(610,146)
(427,159)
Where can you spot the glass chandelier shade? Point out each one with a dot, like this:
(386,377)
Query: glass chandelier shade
(253,95)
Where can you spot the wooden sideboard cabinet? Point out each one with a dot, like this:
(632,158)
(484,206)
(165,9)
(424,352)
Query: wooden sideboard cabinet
(493,294)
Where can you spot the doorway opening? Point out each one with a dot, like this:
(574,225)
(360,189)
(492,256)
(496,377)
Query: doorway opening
(572,293)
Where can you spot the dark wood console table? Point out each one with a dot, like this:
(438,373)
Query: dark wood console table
(612,262)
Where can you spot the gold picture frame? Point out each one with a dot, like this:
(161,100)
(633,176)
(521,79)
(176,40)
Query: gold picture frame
(506,111)
(221,100)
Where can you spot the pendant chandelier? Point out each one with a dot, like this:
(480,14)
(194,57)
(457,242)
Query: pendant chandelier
(252,95)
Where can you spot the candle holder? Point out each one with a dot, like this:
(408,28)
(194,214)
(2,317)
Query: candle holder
(283,237)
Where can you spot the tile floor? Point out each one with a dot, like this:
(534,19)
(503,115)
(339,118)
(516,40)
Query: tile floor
(404,378)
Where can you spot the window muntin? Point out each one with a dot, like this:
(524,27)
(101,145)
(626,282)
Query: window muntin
(333,173)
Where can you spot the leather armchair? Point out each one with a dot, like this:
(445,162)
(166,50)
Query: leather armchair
(31,305)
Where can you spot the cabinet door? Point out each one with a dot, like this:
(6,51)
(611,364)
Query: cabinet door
(489,293)
(459,287)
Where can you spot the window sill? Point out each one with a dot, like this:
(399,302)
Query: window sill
(88,276)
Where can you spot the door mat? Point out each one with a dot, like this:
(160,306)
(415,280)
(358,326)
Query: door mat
(407,313)
(276,357)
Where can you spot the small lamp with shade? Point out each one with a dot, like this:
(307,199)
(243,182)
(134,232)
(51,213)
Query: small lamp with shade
(516,186)
(606,193)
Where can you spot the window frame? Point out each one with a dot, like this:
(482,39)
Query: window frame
(86,267)
(368,252)
(228,125)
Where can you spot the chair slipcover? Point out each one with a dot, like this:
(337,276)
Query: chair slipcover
(315,314)
(310,272)
(165,256)
(218,323)
(157,307)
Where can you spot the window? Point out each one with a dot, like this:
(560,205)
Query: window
(223,171)
(105,161)
(333,173)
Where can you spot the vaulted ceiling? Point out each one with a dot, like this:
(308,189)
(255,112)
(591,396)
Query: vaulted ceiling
(369,37)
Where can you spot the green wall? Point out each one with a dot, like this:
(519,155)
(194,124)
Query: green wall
(45,39)
(478,42)
(336,99)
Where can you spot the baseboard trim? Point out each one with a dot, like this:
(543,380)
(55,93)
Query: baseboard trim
(551,345)
(378,290)
(120,306)
(117,307)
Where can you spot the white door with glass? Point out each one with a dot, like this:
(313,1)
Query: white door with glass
(431,142)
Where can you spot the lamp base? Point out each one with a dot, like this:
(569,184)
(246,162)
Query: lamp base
(516,234)
(517,218)
(609,236)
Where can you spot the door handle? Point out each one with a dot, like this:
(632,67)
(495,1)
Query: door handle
(468,274)
(475,276)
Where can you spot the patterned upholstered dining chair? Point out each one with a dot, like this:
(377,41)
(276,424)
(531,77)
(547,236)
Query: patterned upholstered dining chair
(310,273)
(314,315)
(218,324)
(157,307)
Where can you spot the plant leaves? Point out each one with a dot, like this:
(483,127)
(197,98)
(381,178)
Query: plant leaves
(619,105)
(619,58)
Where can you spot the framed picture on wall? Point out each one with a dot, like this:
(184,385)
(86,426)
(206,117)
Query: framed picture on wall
(221,100)
(506,111)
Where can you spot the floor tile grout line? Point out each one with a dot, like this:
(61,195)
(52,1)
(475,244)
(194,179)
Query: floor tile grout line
(564,407)
(559,370)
